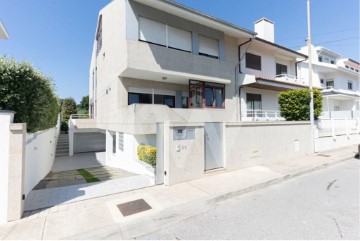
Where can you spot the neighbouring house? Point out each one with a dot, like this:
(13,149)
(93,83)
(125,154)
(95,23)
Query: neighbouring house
(3,33)
(157,60)
(339,80)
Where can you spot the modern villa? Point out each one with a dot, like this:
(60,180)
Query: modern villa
(157,60)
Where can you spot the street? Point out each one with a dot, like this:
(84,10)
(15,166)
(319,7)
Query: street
(320,205)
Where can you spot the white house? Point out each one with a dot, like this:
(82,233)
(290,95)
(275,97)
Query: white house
(339,80)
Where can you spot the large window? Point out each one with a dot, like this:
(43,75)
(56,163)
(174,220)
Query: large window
(253,61)
(206,95)
(165,100)
(164,35)
(208,47)
(350,85)
(139,98)
(254,104)
(281,69)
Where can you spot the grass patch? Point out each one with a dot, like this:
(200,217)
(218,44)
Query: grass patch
(88,176)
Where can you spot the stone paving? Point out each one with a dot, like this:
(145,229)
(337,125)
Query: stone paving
(69,178)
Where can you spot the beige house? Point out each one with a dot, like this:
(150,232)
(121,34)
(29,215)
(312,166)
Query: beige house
(157,60)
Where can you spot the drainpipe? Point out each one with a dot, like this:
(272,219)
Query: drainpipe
(237,90)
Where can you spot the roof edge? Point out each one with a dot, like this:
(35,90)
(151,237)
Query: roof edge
(281,47)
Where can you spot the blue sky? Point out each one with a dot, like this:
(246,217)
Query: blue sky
(56,36)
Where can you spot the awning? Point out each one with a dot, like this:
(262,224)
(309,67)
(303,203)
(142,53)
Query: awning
(275,85)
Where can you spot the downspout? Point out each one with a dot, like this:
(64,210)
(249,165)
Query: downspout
(238,90)
(296,65)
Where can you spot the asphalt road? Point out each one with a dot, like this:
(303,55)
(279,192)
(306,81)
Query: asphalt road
(320,205)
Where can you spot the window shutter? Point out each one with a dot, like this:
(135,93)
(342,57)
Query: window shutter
(179,39)
(208,46)
(151,31)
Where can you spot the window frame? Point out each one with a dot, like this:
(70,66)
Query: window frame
(203,85)
(280,67)
(350,84)
(253,65)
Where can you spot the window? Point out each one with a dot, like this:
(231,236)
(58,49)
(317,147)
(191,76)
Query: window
(164,35)
(139,98)
(281,69)
(332,62)
(152,31)
(206,95)
(253,103)
(121,141)
(350,85)
(253,61)
(114,143)
(99,36)
(330,84)
(208,47)
(346,66)
(165,100)
(352,68)
(184,102)
(322,81)
(179,39)
(320,59)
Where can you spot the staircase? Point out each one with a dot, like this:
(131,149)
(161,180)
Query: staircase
(62,148)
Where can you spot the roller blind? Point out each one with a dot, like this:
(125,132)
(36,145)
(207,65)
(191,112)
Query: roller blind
(152,31)
(208,46)
(179,39)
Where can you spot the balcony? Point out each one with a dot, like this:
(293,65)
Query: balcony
(290,79)
(157,63)
(261,115)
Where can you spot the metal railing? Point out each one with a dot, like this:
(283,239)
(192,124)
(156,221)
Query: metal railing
(289,78)
(81,116)
(262,115)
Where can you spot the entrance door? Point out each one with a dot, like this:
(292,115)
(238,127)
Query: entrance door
(213,146)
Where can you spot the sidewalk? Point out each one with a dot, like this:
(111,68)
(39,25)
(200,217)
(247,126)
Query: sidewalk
(100,218)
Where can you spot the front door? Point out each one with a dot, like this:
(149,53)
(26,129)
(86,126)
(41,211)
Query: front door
(213,146)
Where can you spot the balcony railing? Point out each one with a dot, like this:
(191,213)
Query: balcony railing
(262,115)
(289,78)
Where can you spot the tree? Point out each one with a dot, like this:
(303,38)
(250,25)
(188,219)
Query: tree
(295,104)
(29,93)
(68,107)
(83,107)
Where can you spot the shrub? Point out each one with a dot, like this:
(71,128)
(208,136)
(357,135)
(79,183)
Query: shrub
(295,104)
(147,154)
(29,93)
(68,107)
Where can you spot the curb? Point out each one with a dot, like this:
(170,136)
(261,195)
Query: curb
(287,177)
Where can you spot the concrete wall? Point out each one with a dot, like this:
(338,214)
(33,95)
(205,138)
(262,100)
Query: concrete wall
(328,142)
(249,144)
(40,155)
(245,144)
(12,169)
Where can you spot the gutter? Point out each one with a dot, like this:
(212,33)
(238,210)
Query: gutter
(296,65)
(238,90)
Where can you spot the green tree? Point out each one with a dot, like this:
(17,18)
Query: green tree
(68,107)
(29,93)
(83,107)
(295,104)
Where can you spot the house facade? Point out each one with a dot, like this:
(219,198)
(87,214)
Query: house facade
(339,80)
(156,61)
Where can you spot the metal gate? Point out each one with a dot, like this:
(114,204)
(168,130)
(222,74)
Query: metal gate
(213,146)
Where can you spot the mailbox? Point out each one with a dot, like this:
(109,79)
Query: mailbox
(184,133)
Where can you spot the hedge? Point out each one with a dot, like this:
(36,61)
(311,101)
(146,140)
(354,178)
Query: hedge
(68,107)
(29,93)
(147,154)
(295,104)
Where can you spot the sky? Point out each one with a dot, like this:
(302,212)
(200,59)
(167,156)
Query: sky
(56,36)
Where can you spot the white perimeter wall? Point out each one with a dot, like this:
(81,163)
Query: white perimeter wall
(40,155)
